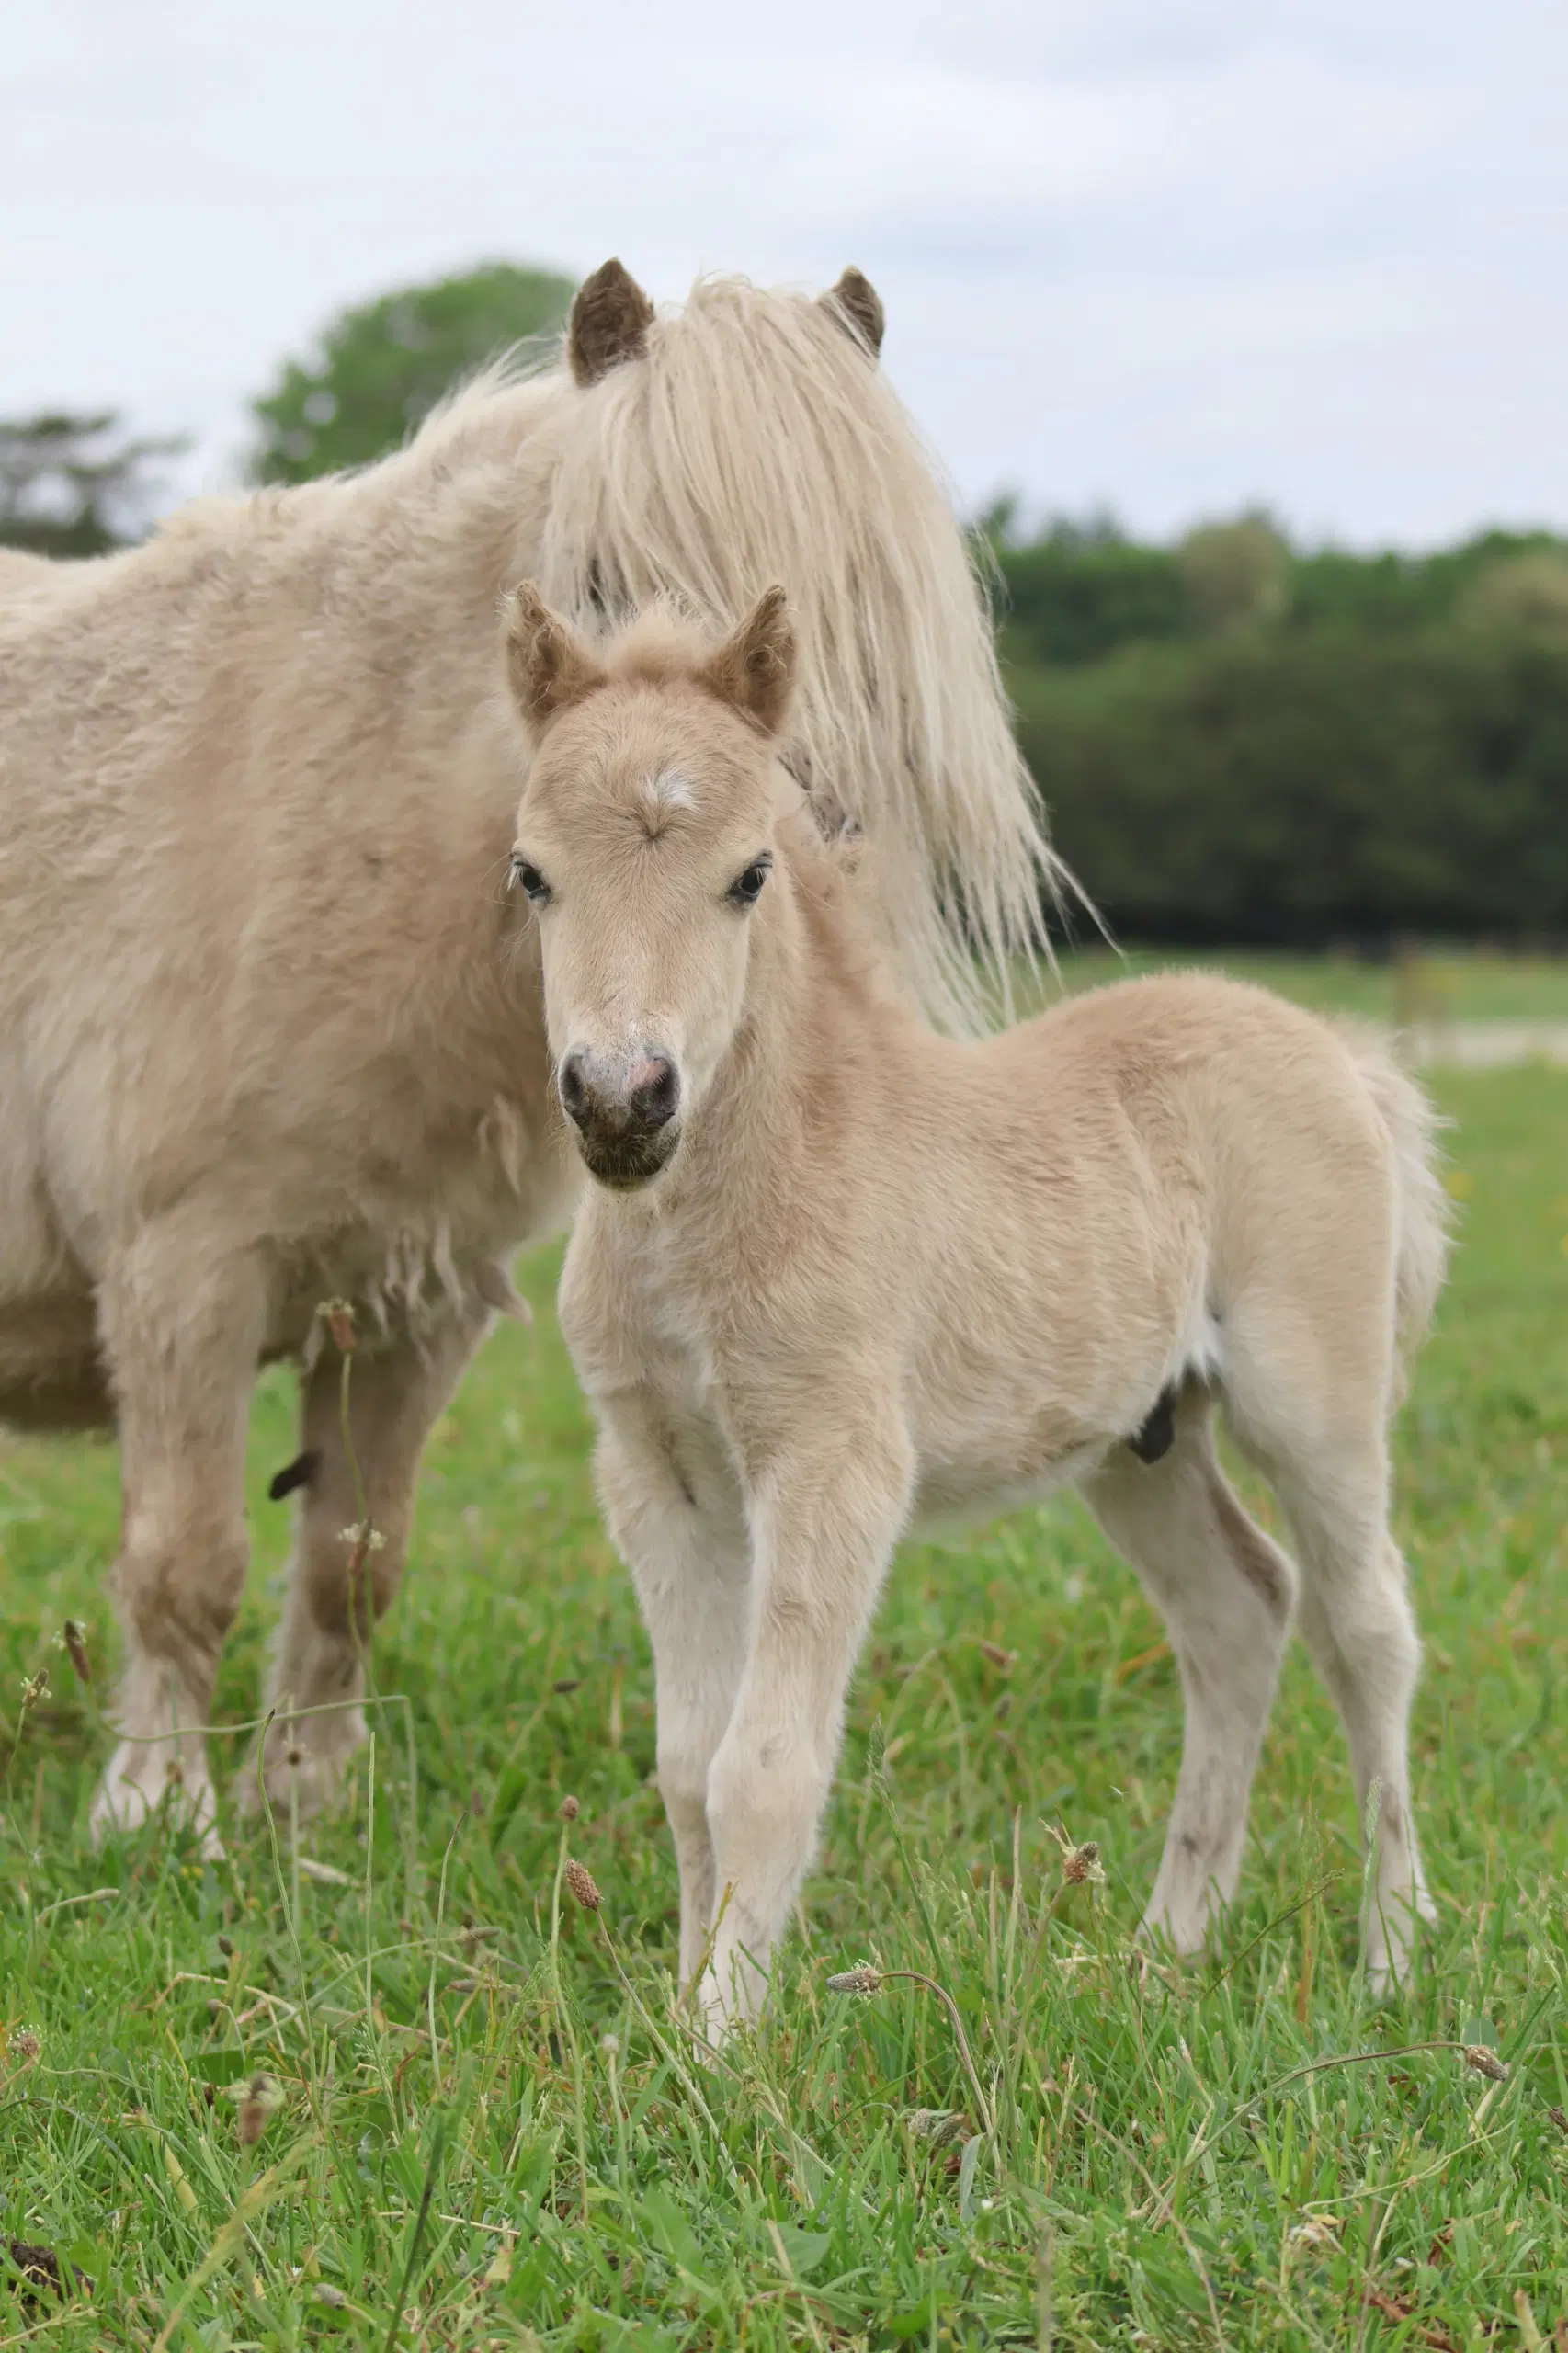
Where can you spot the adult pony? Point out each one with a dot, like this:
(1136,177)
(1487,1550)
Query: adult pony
(270,1030)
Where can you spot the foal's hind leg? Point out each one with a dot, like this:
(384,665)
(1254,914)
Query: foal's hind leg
(1360,1628)
(181,1328)
(1225,1591)
(318,1670)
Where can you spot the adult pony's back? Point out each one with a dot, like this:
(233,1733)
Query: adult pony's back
(270,1031)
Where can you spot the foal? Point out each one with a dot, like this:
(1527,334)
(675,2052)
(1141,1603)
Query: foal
(838,1272)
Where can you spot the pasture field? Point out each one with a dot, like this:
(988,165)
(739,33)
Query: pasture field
(1428,985)
(491,2128)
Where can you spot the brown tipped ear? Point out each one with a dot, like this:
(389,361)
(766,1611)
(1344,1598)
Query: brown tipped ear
(548,664)
(610,319)
(753,671)
(857,301)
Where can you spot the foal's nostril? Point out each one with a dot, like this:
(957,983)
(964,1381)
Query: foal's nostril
(573,1085)
(654,1091)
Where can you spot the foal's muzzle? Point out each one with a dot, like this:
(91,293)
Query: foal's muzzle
(623,1107)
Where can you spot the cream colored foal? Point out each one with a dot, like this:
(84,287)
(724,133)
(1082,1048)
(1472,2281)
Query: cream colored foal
(837,1272)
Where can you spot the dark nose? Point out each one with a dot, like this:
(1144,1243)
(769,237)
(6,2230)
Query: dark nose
(653,1091)
(575,1086)
(627,1099)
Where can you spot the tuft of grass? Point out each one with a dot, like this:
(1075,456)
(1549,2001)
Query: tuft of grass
(409,2097)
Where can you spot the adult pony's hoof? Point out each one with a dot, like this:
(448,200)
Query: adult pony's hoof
(139,1777)
(304,1766)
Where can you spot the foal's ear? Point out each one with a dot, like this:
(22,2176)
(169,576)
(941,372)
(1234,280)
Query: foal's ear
(856,302)
(753,671)
(548,664)
(610,319)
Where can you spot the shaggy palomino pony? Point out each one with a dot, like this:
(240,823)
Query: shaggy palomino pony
(838,1273)
(271,1031)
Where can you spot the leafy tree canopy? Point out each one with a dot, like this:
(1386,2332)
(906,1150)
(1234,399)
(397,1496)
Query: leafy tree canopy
(382,365)
(76,485)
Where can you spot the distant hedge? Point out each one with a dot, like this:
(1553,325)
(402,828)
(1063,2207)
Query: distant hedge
(1381,749)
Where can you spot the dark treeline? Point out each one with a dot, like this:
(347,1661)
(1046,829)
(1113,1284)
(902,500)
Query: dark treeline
(1239,741)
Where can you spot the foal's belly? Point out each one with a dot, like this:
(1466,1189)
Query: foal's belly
(959,1494)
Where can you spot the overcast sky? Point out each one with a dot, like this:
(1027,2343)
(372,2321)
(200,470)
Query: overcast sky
(1175,256)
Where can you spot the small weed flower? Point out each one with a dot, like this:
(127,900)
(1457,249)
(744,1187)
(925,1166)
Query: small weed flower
(361,1533)
(34,1688)
(339,1318)
(938,2125)
(258,2100)
(580,1883)
(1485,2063)
(1081,1866)
(74,1641)
(864,1978)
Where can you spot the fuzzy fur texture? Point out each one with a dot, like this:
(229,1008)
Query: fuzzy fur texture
(886,1276)
(270,1025)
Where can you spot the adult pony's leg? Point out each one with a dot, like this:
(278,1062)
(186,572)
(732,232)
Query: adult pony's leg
(1225,1591)
(181,1329)
(339,1586)
(676,1519)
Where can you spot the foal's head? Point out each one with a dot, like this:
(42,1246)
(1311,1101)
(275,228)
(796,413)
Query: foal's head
(645,838)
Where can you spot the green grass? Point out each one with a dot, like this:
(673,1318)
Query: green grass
(1164,2171)
(1452,984)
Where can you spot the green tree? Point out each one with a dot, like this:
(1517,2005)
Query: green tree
(76,485)
(1526,596)
(382,365)
(1236,573)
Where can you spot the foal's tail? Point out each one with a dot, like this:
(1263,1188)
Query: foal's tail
(1411,1122)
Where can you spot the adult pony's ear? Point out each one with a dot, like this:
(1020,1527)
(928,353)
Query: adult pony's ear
(856,302)
(753,671)
(610,319)
(549,665)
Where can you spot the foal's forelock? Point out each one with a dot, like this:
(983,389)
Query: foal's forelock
(660,795)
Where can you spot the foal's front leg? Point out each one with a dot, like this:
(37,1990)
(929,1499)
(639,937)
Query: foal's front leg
(674,1515)
(826,1517)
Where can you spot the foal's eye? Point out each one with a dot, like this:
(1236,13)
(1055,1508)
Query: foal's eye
(747,887)
(528,879)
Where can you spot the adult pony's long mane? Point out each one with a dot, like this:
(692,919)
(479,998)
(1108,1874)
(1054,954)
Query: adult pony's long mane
(756,440)
(753,438)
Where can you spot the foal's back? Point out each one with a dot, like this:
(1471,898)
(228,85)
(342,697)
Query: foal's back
(1100,1201)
